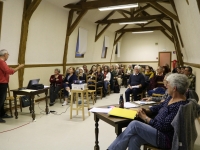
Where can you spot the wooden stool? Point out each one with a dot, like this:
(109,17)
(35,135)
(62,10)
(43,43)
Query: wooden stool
(81,106)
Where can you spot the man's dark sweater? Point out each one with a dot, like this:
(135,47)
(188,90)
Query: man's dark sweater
(136,80)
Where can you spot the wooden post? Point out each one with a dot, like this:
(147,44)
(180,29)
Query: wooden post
(29,8)
(177,44)
(70,29)
(1,13)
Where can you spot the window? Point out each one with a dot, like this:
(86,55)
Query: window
(81,45)
(117,50)
(105,47)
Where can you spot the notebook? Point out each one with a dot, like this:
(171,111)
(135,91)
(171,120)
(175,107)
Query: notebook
(124,113)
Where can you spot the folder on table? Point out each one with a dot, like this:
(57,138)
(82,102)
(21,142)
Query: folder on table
(124,113)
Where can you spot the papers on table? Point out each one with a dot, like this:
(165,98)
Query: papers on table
(130,105)
(28,90)
(46,86)
(145,102)
(100,110)
(136,86)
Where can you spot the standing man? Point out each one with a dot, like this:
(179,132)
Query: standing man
(191,77)
(135,85)
(5,71)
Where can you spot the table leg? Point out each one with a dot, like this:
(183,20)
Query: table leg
(15,101)
(77,103)
(30,108)
(88,105)
(71,104)
(33,108)
(118,130)
(96,119)
(82,105)
(46,99)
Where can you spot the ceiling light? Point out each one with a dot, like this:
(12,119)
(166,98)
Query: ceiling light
(136,22)
(118,7)
(142,32)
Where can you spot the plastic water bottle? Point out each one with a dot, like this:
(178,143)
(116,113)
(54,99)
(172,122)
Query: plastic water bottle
(121,101)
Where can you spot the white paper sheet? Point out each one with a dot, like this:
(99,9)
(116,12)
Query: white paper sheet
(100,110)
(130,105)
(46,86)
(136,86)
(28,90)
(145,102)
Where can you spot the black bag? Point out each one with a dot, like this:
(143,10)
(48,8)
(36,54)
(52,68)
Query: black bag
(37,86)
(25,101)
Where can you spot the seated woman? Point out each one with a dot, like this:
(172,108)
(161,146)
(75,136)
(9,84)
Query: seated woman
(81,75)
(99,77)
(158,99)
(148,73)
(156,131)
(93,70)
(67,83)
(127,74)
(118,74)
(112,78)
(156,83)
(55,85)
(107,77)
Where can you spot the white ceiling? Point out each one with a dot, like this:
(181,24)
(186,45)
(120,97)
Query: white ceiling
(95,15)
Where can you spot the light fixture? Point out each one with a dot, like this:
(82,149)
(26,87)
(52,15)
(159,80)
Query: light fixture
(136,22)
(118,7)
(142,32)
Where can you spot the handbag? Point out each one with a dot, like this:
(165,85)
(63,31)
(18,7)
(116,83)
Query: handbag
(25,101)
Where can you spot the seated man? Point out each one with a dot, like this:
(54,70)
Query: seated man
(191,77)
(135,79)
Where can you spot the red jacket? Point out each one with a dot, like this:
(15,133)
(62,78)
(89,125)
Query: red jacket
(56,82)
(5,71)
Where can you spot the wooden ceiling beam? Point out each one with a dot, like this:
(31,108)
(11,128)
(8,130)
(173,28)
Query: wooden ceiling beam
(117,39)
(97,36)
(173,5)
(164,11)
(122,13)
(140,29)
(102,31)
(165,25)
(105,3)
(167,35)
(145,18)
(176,43)
(141,9)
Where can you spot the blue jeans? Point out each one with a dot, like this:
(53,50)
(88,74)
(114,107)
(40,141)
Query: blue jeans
(134,91)
(135,135)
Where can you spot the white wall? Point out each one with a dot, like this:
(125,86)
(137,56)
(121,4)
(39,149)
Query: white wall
(46,38)
(190,29)
(142,47)
(11,28)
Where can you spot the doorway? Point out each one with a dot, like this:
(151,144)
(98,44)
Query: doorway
(164,58)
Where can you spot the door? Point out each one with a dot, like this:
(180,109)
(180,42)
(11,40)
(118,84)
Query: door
(165,58)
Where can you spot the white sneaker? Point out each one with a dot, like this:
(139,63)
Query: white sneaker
(65,103)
